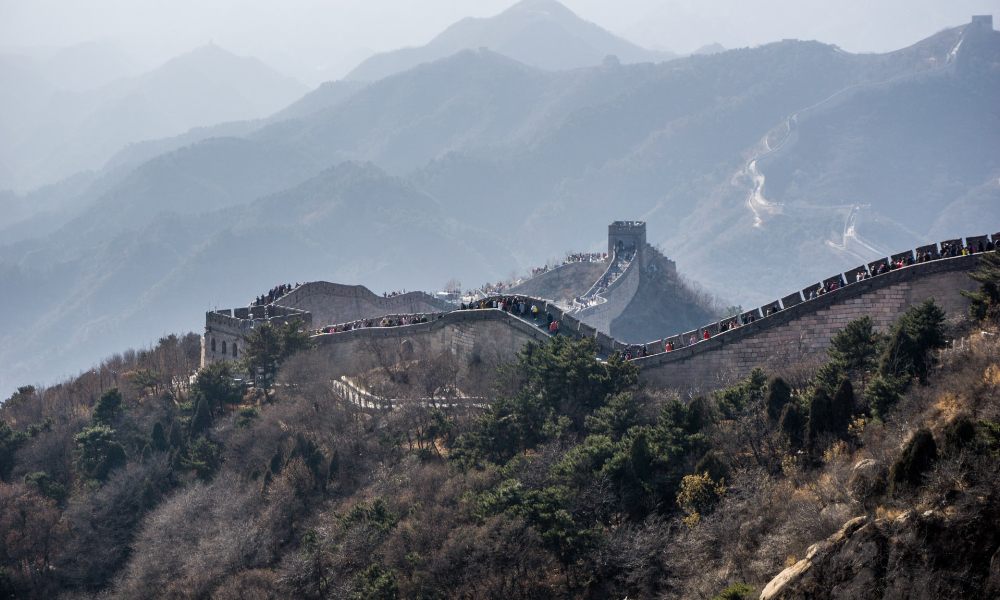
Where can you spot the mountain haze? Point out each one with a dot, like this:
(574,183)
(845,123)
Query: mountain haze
(901,145)
(540,33)
(55,133)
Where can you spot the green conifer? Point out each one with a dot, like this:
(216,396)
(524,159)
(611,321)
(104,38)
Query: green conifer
(843,407)
(779,393)
(201,421)
(791,423)
(176,437)
(158,438)
(916,459)
(821,418)
(277,460)
(108,407)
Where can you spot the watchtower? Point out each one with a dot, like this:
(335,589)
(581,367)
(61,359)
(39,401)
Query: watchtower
(983,22)
(626,236)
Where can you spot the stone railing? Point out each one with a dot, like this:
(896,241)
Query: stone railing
(804,301)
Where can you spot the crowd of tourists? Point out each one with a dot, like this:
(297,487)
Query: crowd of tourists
(275,293)
(393,294)
(509,304)
(633,352)
(388,321)
(574,257)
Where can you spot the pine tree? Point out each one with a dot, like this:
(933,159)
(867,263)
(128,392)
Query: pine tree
(108,407)
(918,331)
(113,459)
(147,451)
(986,302)
(158,438)
(779,393)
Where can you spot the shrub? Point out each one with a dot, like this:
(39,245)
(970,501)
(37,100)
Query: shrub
(714,466)
(779,393)
(737,591)
(375,583)
(792,423)
(916,459)
(883,392)
(958,434)
(699,493)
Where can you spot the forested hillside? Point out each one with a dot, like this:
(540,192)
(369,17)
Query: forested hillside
(564,477)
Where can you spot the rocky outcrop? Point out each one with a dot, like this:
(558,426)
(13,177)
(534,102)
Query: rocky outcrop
(915,556)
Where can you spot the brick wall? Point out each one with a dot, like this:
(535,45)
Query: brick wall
(807,328)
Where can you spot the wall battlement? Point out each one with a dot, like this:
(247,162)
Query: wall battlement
(797,324)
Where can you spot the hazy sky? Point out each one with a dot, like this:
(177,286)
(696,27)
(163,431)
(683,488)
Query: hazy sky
(314,40)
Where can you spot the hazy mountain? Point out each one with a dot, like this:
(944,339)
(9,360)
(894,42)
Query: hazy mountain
(325,96)
(713,48)
(350,223)
(87,66)
(542,160)
(540,33)
(63,132)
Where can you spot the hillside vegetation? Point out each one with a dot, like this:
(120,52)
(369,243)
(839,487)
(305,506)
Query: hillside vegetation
(565,477)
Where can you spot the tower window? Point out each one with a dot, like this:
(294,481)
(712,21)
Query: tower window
(223,347)
(234,349)
(213,344)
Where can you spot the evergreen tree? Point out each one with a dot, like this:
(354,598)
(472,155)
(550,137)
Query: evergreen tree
(916,459)
(821,417)
(147,451)
(202,420)
(855,348)
(717,470)
(986,302)
(915,334)
(176,437)
(114,458)
(267,346)
(334,467)
(108,407)
(215,384)
(158,440)
(842,407)
(791,423)
(959,434)
(779,393)
(276,462)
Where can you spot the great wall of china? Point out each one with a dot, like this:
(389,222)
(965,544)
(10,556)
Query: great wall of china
(799,324)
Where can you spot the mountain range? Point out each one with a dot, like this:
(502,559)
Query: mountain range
(51,132)
(477,166)
(540,33)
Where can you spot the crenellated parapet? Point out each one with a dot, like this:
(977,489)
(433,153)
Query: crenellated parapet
(793,326)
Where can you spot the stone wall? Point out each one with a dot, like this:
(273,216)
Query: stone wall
(616,298)
(807,328)
(332,303)
(473,336)
(564,282)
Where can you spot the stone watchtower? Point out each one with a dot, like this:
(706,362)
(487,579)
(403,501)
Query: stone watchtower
(627,236)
